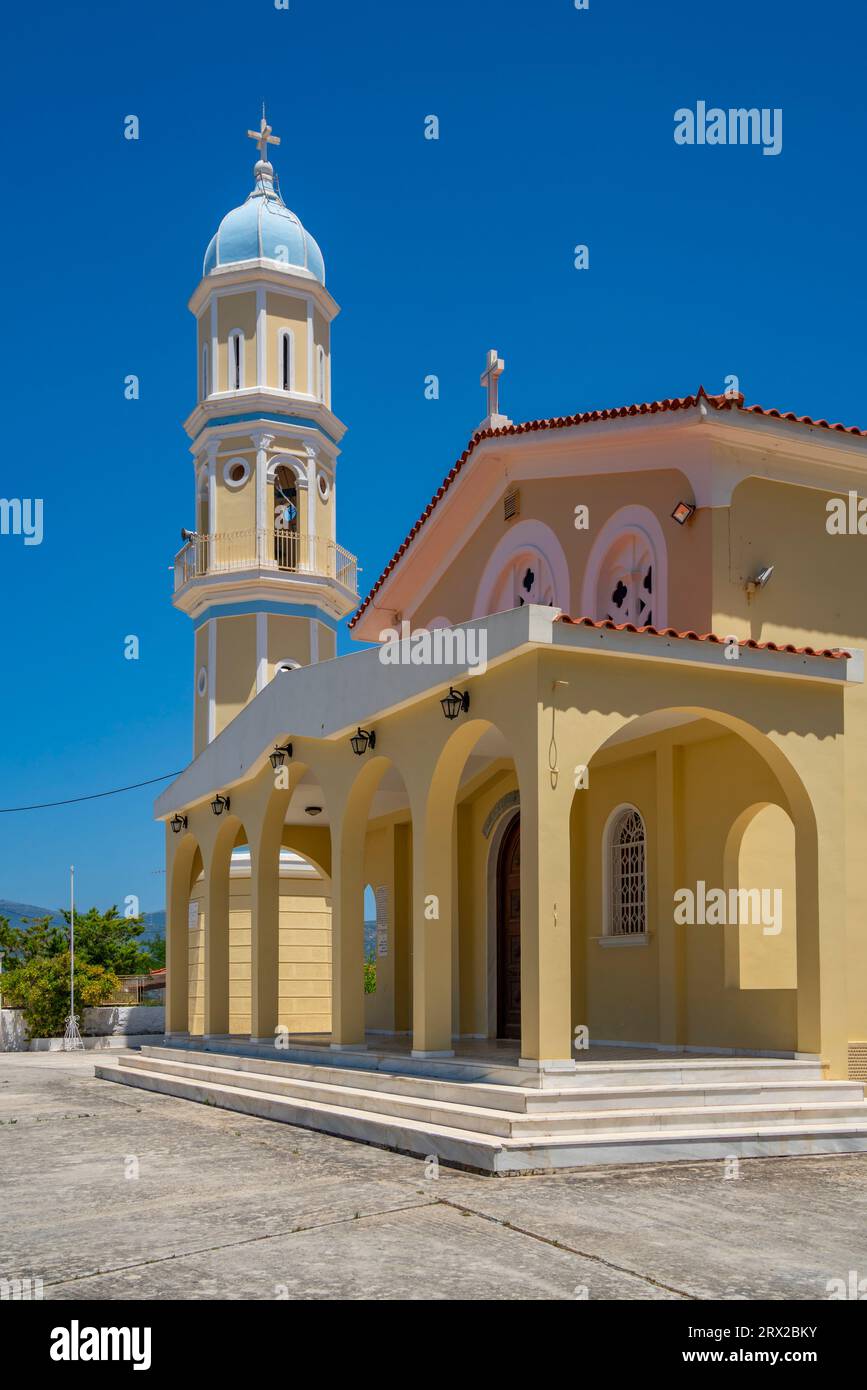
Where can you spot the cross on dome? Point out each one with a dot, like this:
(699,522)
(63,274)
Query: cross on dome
(263,137)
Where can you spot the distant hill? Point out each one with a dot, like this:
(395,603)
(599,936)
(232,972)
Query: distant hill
(16,912)
(155,922)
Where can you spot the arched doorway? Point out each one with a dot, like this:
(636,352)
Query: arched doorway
(509,933)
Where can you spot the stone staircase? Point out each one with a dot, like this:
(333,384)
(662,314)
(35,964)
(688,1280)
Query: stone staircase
(500,1119)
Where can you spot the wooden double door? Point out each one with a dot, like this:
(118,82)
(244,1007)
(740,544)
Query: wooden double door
(509,933)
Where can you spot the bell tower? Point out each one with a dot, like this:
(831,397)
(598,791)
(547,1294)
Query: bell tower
(261,573)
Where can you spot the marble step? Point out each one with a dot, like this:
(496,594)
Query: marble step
(680,1067)
(659,1087)
(486,1153)
(464,1113)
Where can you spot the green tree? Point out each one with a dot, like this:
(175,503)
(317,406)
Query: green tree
(40,986)
(41,937)
(112,941)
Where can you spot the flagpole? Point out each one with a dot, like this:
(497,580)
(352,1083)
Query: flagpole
(72,1037)
(72,938)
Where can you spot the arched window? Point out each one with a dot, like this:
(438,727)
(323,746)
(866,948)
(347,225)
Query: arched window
(322,372)
(527,565)
(626,874)
(285,518)
(526,578)
(287,360)
(625,588)
(206,382)
(236,359)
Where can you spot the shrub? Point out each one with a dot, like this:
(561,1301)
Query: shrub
(40,986)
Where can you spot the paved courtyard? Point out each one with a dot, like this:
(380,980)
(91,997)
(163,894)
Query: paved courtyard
(113,1193)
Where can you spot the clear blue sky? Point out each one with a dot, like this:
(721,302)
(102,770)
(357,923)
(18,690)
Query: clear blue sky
(556,128)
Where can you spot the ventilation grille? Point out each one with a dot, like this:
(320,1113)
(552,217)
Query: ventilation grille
(858,1061)
(511,504)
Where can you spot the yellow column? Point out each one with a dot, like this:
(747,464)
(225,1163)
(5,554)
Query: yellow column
(265,934)
(433,904)
(666,849)
(546,950)
(820,869)
(216,909)
(347,930)
(179,860)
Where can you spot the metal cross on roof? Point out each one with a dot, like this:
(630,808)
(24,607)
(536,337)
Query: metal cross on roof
(263,136)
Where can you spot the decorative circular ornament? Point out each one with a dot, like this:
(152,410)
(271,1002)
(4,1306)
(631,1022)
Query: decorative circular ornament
(202,680)
(236,472)
(324,487)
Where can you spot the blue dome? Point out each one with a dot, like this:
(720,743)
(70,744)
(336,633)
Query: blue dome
(263,228)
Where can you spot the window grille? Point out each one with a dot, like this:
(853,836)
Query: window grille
(628,905)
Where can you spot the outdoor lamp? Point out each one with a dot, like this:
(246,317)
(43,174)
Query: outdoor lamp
(455,702)
(279,754)
(362,740)
(682,512)
(753,585)
(178,822)
(219,804)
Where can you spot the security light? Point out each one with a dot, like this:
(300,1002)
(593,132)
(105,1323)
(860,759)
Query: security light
(280,754)
(219,804)
(682,512)
(178,822)
(362,740)
(455,702)
(753,585)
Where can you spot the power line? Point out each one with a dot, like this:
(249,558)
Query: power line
(93,796)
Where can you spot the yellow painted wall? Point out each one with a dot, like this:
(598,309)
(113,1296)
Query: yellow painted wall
(236,311)
(305,958)
(200,702)
(288,640)
(284,311)
(236,665)
(616,989)
(553,501)
(760,858)
(814,598)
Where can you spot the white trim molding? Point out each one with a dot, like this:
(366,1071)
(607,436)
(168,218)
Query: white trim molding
(284,336)
(235,336)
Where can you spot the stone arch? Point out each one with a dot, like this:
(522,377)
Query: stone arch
(795,800)
(271,834)
(185,867)
(349,843)
(497,826)
(216,905)
(434,807)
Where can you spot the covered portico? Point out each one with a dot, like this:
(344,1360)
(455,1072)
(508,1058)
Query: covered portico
(552,706)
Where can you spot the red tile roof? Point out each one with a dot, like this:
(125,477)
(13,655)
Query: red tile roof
(559,422)
(835,653)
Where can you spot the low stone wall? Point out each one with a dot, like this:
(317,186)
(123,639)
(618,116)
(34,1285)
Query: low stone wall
(110,1025)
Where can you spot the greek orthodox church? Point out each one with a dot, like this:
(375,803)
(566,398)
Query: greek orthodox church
(599,760)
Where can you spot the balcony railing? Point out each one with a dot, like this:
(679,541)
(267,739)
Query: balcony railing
(280,550)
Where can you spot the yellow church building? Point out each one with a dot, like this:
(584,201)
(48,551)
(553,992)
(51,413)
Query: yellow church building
(601,763)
